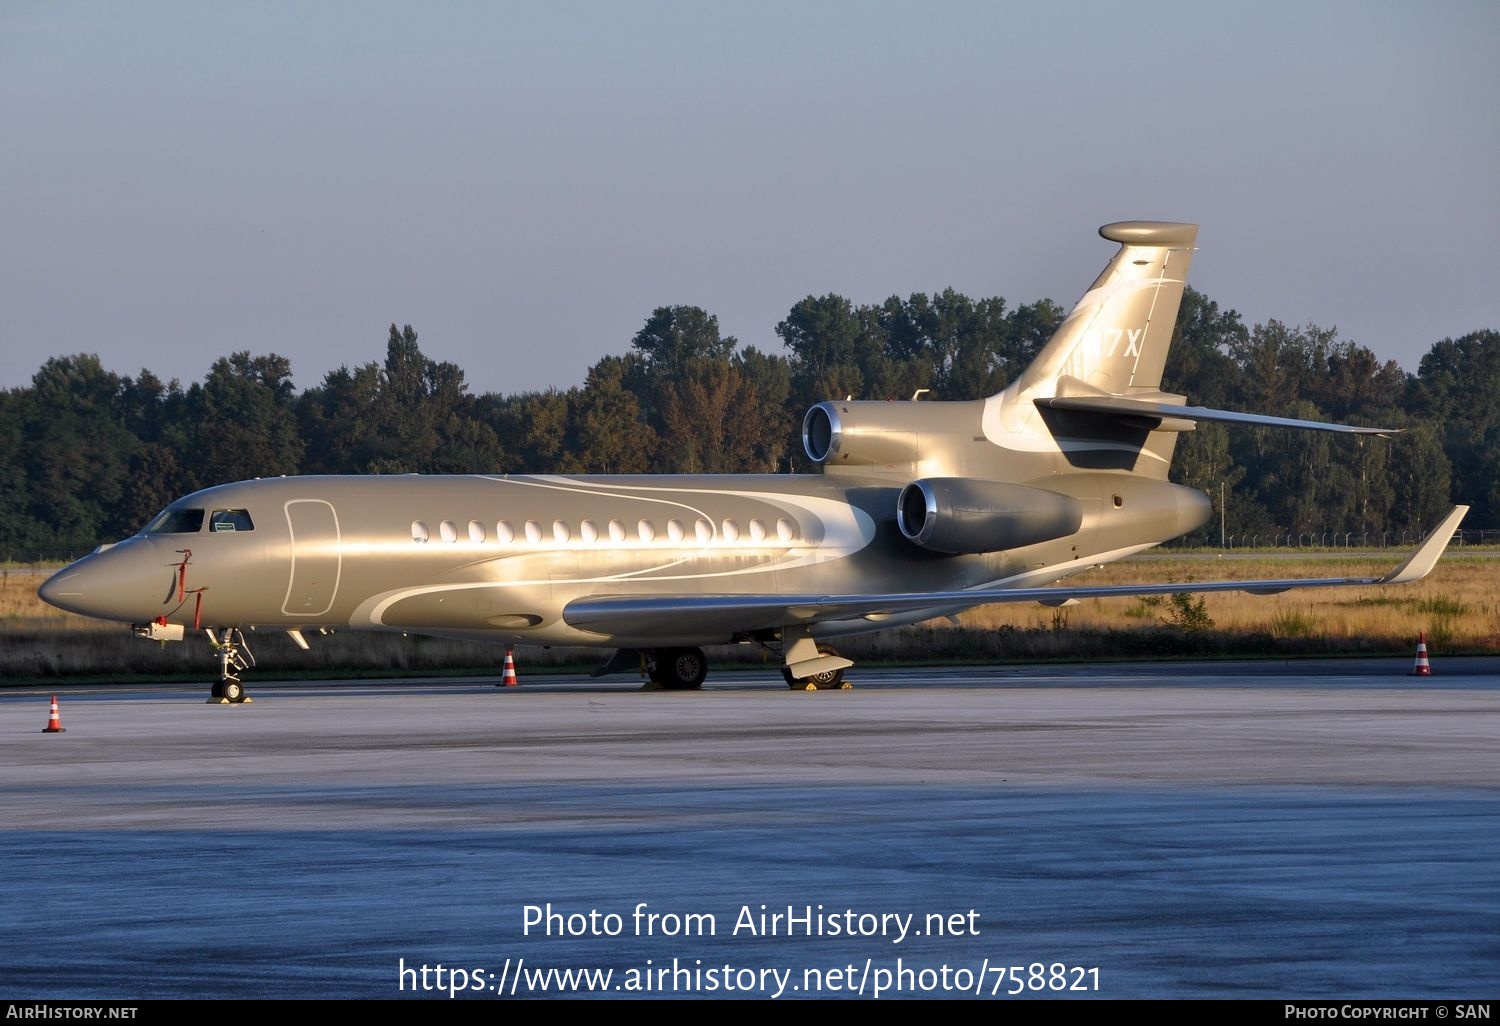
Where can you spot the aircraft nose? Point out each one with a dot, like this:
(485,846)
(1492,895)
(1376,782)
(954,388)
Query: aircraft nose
(129,581)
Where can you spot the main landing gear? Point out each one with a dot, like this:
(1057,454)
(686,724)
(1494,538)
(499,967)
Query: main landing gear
(683,669)
(676,669)
(805,666)
(808,666)
(828,680)
(234,658)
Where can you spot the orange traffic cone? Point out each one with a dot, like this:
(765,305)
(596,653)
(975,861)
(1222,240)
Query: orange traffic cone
(54,722)
(1423,667)
(509,679)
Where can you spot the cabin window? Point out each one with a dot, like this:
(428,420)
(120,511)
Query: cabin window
(560,531)
(731,530)
(785,529)
(674,529)
(176,521)
(450,532)
(1119,501)
(505,532)
(589,531)
(476,531)
(704,530)
(616,531)
(418,531)
(230,520)
(647,530)
(757,530)
(533,531)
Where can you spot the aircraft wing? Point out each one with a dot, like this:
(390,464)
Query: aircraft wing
(1121,407)
(730,614)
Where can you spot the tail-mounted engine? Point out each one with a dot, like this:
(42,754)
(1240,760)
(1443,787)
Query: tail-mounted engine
(890,434)
(961,516)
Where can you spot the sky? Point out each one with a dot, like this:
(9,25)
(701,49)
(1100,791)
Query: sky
(524,183)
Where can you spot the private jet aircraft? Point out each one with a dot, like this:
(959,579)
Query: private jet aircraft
(919,510)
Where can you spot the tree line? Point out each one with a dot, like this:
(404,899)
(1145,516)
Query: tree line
(89,455)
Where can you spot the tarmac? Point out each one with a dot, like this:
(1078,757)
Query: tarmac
(1293,831)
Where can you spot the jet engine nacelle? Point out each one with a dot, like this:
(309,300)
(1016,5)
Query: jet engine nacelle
(960,516)
(888,434)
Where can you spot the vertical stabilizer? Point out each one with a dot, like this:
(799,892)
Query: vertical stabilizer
(1115,341)
(1112,346)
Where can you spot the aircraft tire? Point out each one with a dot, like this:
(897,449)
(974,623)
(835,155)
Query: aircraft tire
(234,691)
(678,669)
(831,680)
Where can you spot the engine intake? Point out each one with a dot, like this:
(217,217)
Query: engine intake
(859,434)
(896,439)
(960,516)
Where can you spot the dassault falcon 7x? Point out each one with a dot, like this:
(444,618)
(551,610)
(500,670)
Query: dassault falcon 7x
(919,509)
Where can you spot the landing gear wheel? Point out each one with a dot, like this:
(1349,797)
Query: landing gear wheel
(828,680)
(234,656)
(678,669)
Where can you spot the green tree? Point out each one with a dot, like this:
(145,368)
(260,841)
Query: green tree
(1031,327)
(675,336)
(1200,366)
(969,344)
(1275,368)
(243,421)
(673,339)
(1420,481)
(419,415)
(404,416)
(609,434)
(334,421)
(1202,460)
(709,420)
(77,455)
(16,526)
(1353,384)
(533,428)
(776,426)
(830,343)
(1458,387)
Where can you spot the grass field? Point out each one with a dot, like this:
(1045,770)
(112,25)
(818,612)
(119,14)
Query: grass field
(1457,606)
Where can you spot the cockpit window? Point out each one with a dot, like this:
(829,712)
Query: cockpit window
(230,520)
(176,521)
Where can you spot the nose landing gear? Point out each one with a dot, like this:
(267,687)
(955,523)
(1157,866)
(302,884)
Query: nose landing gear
(234,658)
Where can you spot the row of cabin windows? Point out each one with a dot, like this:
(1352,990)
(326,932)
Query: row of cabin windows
(615,531)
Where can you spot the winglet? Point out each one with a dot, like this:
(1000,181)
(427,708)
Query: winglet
(1420,563)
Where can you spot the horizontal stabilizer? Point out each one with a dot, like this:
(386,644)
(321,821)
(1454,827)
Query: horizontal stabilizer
(1118,406)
